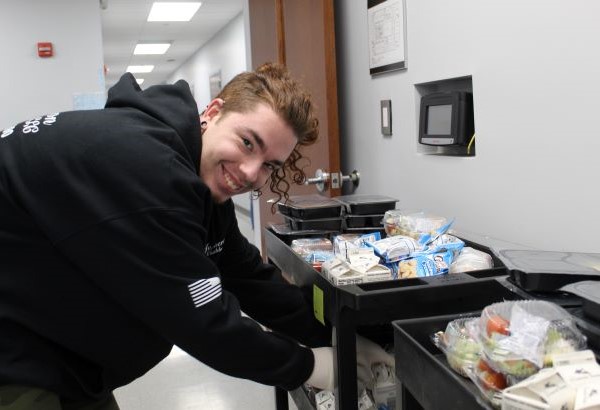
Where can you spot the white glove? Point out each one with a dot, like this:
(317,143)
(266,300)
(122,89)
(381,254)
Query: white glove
(369,353)
(322,374)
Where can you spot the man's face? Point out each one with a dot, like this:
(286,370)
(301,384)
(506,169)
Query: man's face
(241,150)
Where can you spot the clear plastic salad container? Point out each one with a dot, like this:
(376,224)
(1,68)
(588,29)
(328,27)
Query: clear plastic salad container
(519,337)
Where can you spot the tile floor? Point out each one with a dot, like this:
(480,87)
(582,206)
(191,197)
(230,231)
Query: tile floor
(180,382)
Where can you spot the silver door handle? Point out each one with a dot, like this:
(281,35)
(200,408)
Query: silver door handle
(324,180)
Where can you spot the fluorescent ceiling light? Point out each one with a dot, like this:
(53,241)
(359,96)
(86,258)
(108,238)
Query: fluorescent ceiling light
(139,80)
(140,68)
(173,11)
(157,48)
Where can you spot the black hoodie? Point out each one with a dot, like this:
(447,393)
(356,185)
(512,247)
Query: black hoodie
(112,250)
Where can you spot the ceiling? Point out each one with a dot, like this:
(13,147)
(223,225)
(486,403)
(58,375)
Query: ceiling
(124,25)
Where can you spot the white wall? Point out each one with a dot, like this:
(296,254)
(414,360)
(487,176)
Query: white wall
(535,68)
(32,86)
(225,52)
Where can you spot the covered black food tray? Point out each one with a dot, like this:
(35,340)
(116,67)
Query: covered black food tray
(547,271)
(310,207)
(589,291)
(287,234)
(364,221)
(333,224)
(366,204)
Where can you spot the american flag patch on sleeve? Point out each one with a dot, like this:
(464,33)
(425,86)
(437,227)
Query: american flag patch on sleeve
(205,290)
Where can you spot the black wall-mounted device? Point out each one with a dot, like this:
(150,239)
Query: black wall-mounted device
(446,118)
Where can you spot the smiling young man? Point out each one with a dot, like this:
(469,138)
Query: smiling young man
(240,151)
(118,240)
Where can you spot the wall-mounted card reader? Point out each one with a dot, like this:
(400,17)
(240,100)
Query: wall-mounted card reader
(446,118)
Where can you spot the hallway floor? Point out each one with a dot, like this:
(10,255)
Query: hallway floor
(180,382)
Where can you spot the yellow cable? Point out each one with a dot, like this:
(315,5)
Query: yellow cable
(469,146)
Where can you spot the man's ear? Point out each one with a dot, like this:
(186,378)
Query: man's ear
(212,109)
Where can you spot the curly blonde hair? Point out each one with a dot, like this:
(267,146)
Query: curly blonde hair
(273,85)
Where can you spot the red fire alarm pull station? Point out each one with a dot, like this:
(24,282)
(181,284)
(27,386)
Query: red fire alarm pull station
(45,49)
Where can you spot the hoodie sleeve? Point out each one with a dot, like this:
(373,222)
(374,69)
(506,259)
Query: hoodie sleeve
(150,263)
(266,296)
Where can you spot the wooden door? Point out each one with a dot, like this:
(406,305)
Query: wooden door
(301,35)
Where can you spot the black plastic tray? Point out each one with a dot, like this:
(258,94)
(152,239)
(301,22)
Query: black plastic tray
(362,231)
(385,301)
(310,207)
(548,270)
(589,327)
(287,234)
(332,224)
(420,364)
(366,204)
(589,291)
(364,221)
(424,372)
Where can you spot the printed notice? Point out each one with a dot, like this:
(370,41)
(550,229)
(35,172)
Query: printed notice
(386,35)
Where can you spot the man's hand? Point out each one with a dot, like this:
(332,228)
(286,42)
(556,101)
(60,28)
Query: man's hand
(369,353)
(322,374)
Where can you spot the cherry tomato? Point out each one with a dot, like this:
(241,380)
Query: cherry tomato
(493,380)
(497,324)
(483,366)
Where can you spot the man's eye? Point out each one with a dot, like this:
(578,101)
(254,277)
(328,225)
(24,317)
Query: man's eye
(270,167)
(247,143)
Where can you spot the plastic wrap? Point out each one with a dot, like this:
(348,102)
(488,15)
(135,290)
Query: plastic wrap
(461,349)
(422,265)
(394,248)
(470,259)
(305,246)
(519,337)
(411,223)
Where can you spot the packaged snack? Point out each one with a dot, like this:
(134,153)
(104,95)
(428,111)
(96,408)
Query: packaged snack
(470,259)
(411,223)
(317,258)
(394,248)
(305,246)
(364,401)
(446,242)
(422,265)
(367,264)
(338,272)
(384,388)
(325,400)
(572,383)
(342,243)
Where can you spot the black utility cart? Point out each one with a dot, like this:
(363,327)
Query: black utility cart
(370,308)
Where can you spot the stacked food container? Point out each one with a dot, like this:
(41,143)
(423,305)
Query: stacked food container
(311,214)
(364,213)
